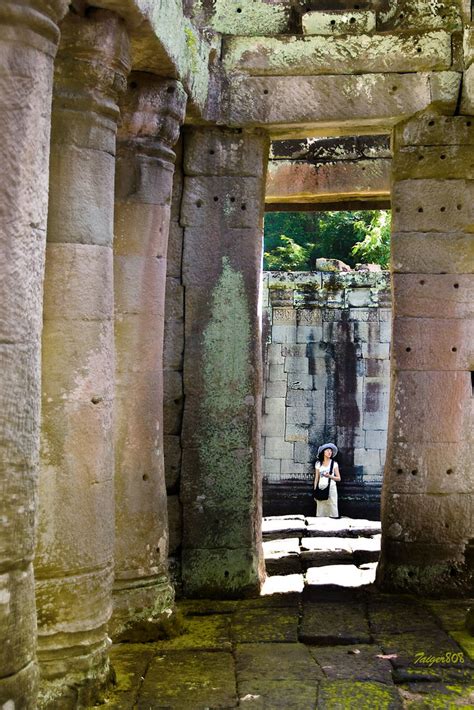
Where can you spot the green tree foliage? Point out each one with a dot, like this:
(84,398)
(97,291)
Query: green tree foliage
(374,248)
(294,240)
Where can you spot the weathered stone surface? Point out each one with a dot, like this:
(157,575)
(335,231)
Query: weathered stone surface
(329,623)
(324,101)
(228,153)
(173,345)
(230,573)
(151,113)
(28,42)
(174,523)
(433,129)
(201,633)
(362,663)
(338,23)
(467,102)
(291,181)
(175,250)
(265,626)
(433,162)
(172,453)
(217,524)
(414,422)
(75,543)
(274,662)
(282,563)
(363,694)
(248,17)
(422,295)
(173,401)
(281,674)
(403,15)
(130,662)
(414,338)
(327,527)
(190,679)
(426,253)
(409,649)
(314,55)
(449,518)
(279,694)
(389,616)
(212,201)
(433,205)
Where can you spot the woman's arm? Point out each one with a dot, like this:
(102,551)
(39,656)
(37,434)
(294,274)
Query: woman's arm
(316,475)
(336,476)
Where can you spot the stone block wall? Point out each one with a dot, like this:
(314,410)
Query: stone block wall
(327,378)
(173,397)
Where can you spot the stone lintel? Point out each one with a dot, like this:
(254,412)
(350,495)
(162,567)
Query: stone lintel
(299,181)
(289,106)
(320,55)
(329,150)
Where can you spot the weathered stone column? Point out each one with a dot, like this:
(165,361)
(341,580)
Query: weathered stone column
(28,41)
(152,113)
(74,559)
(428,507)
(222,213)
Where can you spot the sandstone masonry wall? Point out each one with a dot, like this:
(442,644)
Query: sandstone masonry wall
(326,364)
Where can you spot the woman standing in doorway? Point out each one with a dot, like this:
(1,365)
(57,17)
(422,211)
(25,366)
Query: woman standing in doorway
(326,473)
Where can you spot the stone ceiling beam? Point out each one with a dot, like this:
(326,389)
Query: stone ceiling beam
(348,54)
(295,181)
(289,106)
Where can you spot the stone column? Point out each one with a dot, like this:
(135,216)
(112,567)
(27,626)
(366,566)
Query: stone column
(74,558)
(428,506)
(152,113)
(222,212)
(28,41)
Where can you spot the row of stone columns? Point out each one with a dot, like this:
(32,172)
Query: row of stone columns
(102,341)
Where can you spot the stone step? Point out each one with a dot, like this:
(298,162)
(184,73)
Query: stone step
(341,575)
(341,527)
(287,556)
(282,527)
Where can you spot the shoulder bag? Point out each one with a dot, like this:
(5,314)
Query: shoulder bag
(323,493)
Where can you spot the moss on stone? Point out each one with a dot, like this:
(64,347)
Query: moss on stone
(363,695)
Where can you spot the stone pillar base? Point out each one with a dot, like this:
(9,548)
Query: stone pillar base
(143,609)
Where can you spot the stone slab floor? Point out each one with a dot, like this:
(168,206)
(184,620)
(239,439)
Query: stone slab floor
(322,646)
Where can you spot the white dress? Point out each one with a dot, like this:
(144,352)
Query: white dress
(327,508)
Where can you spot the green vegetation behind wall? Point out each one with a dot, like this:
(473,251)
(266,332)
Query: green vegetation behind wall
(294,240)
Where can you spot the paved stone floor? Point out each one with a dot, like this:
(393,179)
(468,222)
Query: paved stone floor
(323,646)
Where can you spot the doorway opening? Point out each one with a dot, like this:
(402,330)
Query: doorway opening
(327,328)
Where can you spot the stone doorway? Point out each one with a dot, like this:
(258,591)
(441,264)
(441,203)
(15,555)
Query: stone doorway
(326,332)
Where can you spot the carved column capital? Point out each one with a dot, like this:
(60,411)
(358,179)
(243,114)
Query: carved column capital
(93,63)
(152,112)
(32,23)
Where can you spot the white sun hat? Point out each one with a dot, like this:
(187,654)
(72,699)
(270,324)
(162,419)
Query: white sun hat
(333,448)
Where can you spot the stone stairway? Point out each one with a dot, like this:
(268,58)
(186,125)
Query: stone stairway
(320,551)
